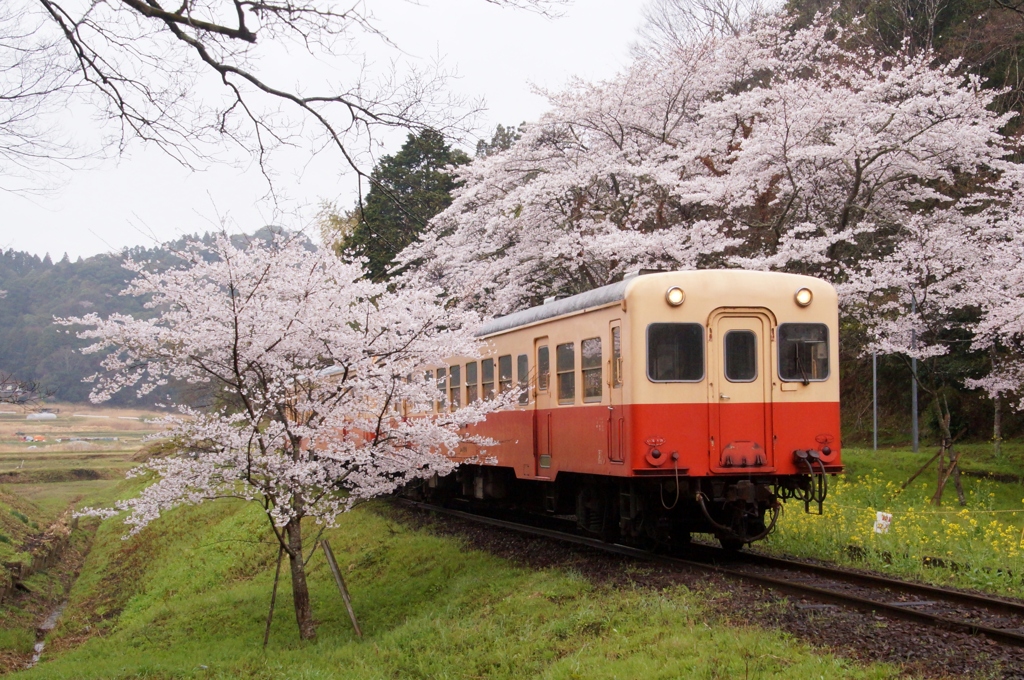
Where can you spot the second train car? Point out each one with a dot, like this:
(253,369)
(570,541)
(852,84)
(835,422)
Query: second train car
(663,405)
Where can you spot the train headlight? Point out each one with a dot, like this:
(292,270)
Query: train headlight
(675,296)
(803,297)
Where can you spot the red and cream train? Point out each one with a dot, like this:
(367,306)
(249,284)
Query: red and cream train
(665,404)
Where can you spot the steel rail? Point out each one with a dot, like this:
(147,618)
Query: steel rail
(821,594)
(974,599)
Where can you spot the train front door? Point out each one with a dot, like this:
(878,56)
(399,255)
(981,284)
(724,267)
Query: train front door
(542,408)
(740,394)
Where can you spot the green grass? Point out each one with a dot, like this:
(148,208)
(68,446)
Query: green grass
(51,481)
(20,640)
(188,598)
(28,509)
(982,544)
(53,498)
(19,519)
(43,458)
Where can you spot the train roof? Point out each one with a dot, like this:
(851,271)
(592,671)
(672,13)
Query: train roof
(605,295)
(598,297)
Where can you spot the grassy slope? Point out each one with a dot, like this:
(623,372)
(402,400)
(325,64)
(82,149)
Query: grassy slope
(191,592)
(38,482)
(188,598)
(18,520)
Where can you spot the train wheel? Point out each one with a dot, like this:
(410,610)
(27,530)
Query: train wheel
(730,544)
(681,543)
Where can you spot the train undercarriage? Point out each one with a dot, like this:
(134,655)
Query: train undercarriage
(654,513)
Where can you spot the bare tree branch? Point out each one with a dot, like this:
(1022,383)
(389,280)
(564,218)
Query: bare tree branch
(1012,5)
(205,75)
(18,392)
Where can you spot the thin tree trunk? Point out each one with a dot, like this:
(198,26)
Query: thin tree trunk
(941,477)
(300,589)
(997,427)
(273,597)
(947,444)
(952,471)
(997,408)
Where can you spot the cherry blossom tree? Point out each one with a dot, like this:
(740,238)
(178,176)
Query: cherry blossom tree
(919,301)
(752,144)
(766,148)
(317,371)
(950,281)
(999,288)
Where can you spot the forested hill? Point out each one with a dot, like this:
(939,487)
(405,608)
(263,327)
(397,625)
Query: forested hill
(32,347)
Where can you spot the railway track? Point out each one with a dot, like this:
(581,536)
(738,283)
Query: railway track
(994,618)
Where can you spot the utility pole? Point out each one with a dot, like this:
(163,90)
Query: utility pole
(874,396)
(913,371)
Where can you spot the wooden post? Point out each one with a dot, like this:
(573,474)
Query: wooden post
(920,470)
(341,585)
(952,471)
(273,596)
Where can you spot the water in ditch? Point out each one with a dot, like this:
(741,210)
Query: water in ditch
(44,628)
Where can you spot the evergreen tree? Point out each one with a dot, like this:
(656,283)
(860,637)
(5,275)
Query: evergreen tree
(502,140)
(407,190)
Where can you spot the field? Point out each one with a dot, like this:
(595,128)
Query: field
(40,480)
(978,546)
(188,597)
(54,474)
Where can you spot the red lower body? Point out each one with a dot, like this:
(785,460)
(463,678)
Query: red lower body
(645,440)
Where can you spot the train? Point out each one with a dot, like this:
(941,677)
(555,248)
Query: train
(663,405)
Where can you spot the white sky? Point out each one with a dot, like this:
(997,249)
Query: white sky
(143,197)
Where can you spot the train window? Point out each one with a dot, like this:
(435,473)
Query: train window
(487,378)
(616,357)
(591,361)
(543,368)
(454,385)
(675,352)
(740,356)
(471,393)
(442,388)
(523,376)
(565,368)
(505,373)
(803,352)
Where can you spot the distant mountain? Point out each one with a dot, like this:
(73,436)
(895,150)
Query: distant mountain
(33,349)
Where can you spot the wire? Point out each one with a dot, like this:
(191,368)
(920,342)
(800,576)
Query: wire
(661,487)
